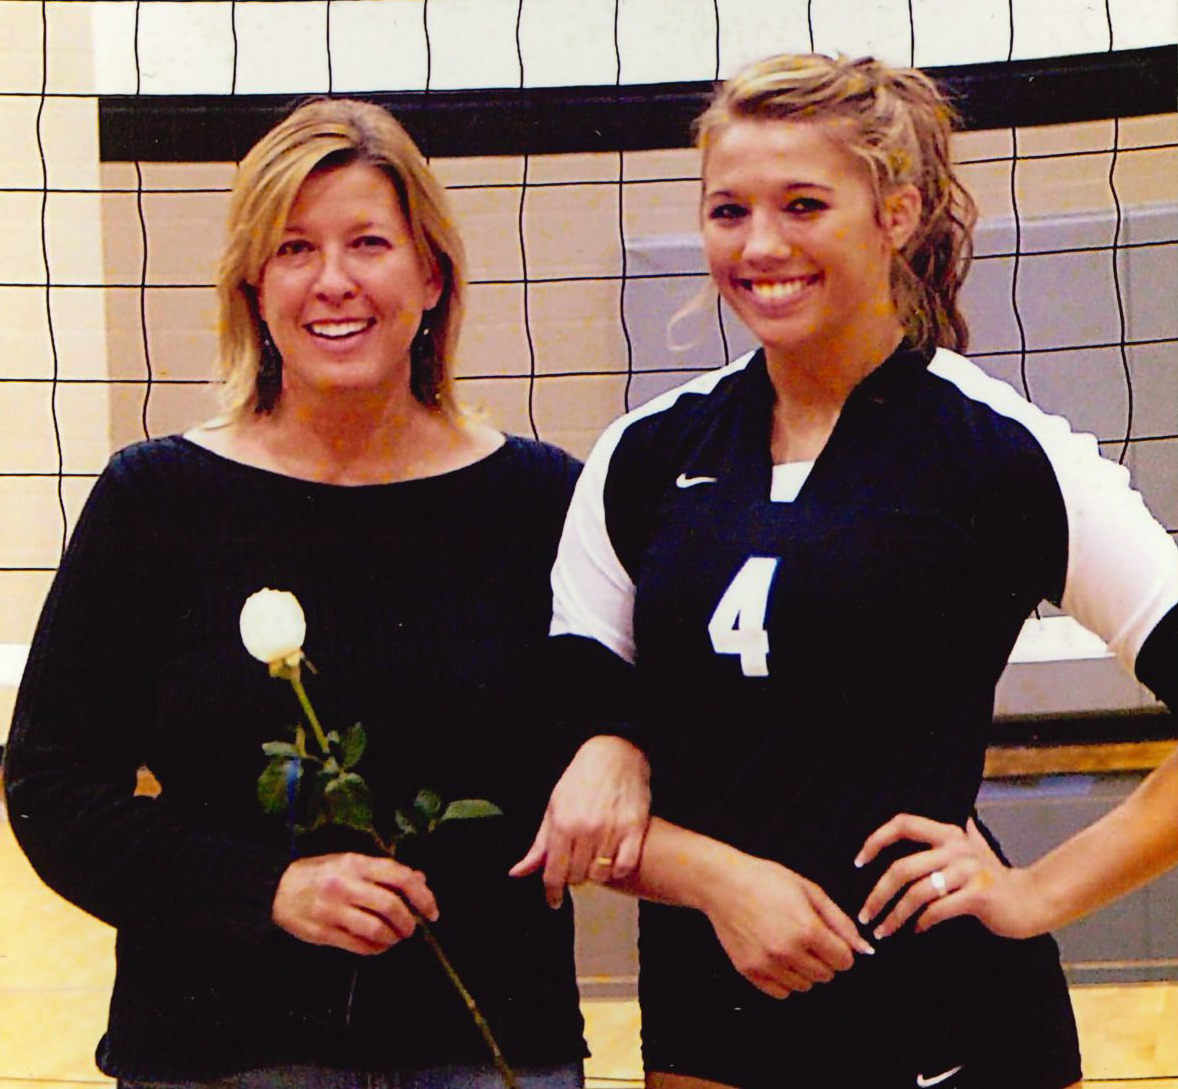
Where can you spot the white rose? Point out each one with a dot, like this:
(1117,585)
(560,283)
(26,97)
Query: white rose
(273,626)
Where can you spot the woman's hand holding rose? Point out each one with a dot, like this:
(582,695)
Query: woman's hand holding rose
(352,901)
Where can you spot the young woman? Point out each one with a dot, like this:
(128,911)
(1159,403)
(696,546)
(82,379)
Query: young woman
(419,542)
(812,564)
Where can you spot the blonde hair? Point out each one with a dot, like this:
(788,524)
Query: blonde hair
(898,123)
(321,135)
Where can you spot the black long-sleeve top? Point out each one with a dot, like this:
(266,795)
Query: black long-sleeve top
(427,606)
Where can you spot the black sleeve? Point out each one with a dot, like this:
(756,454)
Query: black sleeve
(80,732)
(594,691)
(1157,661)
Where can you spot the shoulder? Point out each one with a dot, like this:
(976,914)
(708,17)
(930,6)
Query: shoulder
(998,411)
(703,395)
(171,482)
(531,462)
(158,453)
(653,433)
(991,397)
(539,455)
(1017,453)
(138,496)
(981,393)
(151,463)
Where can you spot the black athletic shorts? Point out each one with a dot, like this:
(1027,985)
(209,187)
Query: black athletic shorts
(955,1008)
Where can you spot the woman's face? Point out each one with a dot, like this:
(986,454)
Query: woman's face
(794,242)
(344,291)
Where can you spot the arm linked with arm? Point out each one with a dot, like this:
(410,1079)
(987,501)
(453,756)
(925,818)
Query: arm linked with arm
(780,930)
(597,813)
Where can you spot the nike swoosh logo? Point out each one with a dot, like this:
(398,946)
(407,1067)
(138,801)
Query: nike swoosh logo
(685,481)
(936,1079)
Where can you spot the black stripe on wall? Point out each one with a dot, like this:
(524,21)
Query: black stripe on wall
(551,120)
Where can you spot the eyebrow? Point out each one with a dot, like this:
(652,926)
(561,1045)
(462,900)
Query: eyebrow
(787,185)
(363,225)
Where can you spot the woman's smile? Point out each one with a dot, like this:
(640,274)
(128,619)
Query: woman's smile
(340,329)
(769,291)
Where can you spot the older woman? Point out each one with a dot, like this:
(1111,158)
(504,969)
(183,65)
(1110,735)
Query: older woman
(419,542)
(813,563)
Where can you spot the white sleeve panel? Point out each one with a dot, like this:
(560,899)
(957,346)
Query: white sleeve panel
(1122,575)
(592,593)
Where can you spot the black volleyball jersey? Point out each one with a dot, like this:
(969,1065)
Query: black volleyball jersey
(817,646)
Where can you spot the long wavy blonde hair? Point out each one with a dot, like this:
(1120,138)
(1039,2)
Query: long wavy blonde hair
(320,135)
(898,123)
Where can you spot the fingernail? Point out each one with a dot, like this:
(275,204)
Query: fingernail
(869,950)
(859,863)
(879,933)
(864,918)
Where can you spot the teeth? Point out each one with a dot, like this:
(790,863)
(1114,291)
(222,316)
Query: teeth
(773,290)
(337,328)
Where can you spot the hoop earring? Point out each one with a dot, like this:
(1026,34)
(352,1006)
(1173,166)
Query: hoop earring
(268,384)
(424,380)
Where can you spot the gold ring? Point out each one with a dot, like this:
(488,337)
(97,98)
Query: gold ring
(602,860)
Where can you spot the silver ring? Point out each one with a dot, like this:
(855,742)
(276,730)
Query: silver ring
(937,877)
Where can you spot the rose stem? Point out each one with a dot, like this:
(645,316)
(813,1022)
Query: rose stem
(500,1063)
(296,683)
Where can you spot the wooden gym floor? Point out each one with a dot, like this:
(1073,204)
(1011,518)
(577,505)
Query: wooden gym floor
(56,965)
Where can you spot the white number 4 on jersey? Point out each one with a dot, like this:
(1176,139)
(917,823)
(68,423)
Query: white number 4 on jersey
(738,624)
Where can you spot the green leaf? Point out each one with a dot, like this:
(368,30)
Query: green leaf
(405,825)
(354,743)
(315,810)
(466,809)
(278,783)
(280,748)
(349,801)
(428,805)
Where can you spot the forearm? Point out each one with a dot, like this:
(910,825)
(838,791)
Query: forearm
(780,931)
(70,766)
(679,866)
(131,861)
(1129,846)
(136,862)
